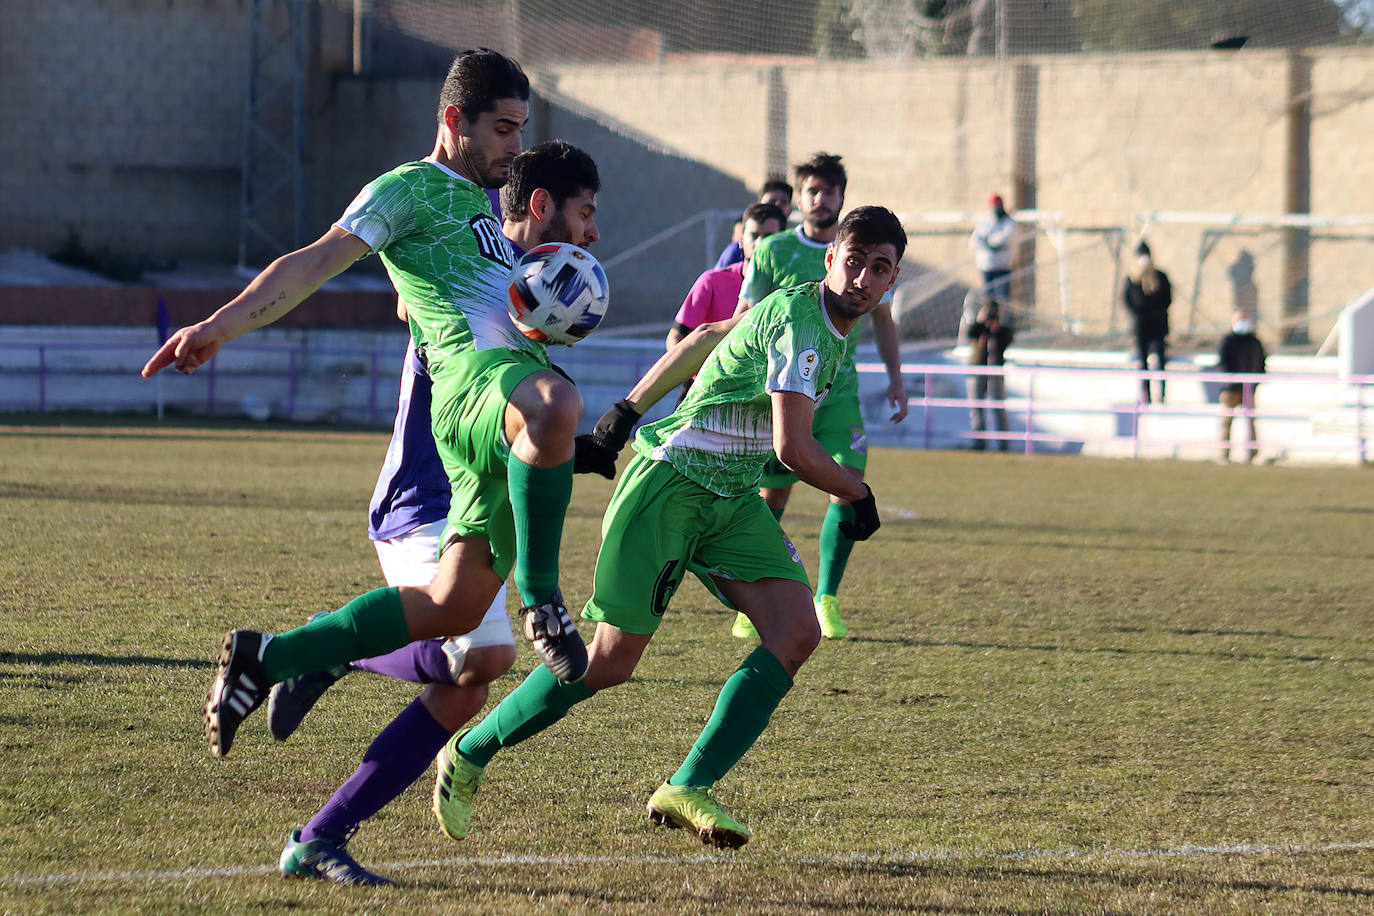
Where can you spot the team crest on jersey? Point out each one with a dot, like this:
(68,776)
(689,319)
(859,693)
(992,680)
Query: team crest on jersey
(807,362)
(858,442)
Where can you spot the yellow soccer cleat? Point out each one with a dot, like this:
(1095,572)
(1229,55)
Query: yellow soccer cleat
(828,613)
(454,786)
(695,808)
(743,628)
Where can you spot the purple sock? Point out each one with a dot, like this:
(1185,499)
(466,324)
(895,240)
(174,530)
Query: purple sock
(423,662)
(397,757)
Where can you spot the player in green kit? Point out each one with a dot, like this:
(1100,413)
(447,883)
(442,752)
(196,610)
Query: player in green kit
(688,503)
(783,260)
(503,419)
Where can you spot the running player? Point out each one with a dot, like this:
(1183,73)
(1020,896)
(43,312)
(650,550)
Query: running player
(549,197)
(687,503)
(503,419)
(784,260)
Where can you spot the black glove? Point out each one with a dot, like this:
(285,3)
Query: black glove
(865,518)
(595,452)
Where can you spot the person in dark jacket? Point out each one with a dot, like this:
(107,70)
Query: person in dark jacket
(1147,296)
(1241,353)
(988,338)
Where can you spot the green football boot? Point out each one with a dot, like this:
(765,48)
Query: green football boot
(743,628)
(454,786)
(695,808)
(325,859)
(828,613)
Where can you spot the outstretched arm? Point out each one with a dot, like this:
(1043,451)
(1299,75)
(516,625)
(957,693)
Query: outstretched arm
(890,349)
(596,452)
(281,286)
(679,364)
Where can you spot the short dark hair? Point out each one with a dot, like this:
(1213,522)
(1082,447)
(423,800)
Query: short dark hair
(824,166)
(762,212)
(776,183)
(869,226)
(476,79)
(556,166)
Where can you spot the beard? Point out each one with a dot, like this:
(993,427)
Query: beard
(825,222)
(481,171)
(556,230)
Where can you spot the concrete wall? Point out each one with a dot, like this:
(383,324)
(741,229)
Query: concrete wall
(124,123)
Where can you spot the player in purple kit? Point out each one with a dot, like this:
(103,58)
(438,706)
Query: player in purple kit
(550,196)
(775,191)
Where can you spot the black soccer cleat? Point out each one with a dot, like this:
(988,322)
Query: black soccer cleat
(549,628)
(239,688)
(292,699)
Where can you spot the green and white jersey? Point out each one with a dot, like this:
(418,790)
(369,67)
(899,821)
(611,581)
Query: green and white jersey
(721,435)
(786,259)
(446,256)
(782,260)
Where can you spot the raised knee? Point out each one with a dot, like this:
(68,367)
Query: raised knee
(555,409)
(486,664)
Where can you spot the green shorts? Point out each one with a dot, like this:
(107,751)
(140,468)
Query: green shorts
(839,427)
(661,525)
(468,417)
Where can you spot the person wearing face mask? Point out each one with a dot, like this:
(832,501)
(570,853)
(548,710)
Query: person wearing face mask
(1240,353)
(992,248)
(1147,296)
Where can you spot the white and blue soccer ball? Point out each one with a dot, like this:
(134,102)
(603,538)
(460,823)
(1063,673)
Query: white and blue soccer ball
(558,293)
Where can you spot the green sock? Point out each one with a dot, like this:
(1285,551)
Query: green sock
(370,624)
(742,712)
(539,701)
(777,513)
(835,548)
(538,499)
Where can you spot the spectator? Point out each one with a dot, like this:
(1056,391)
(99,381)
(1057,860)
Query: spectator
(775,191)
(1147,296)
(1240,353)
(988,338)
(992,248)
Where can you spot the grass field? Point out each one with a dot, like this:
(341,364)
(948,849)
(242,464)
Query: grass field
(1074,686)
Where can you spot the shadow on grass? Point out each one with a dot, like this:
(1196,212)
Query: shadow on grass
(91,658)
(148,496)
(1127,880)
(1107,650)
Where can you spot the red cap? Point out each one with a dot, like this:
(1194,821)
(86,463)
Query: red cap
(995,200)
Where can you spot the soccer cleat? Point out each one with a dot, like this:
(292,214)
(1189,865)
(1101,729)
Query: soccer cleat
(549,628)
(695,808)
(239,687)
(325,859)
(743,628)
(455,784)
(290,700)
(828,613)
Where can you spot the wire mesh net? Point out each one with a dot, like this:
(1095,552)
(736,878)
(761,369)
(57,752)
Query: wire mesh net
(1087,114)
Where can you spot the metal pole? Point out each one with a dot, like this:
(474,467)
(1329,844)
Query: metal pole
(359,12)
(42,379)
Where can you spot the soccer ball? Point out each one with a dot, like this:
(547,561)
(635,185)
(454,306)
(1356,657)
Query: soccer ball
(557,294)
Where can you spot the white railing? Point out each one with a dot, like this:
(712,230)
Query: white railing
(1094,410)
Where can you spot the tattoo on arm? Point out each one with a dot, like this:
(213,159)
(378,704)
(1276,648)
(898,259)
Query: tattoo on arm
(262,312)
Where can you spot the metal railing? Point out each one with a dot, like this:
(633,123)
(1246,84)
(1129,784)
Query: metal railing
(1111,397)
(1048,407)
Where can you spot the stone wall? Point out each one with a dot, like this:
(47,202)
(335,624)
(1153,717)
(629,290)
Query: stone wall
(124,125)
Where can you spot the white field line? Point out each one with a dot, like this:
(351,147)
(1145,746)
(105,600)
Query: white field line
(1017,855)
